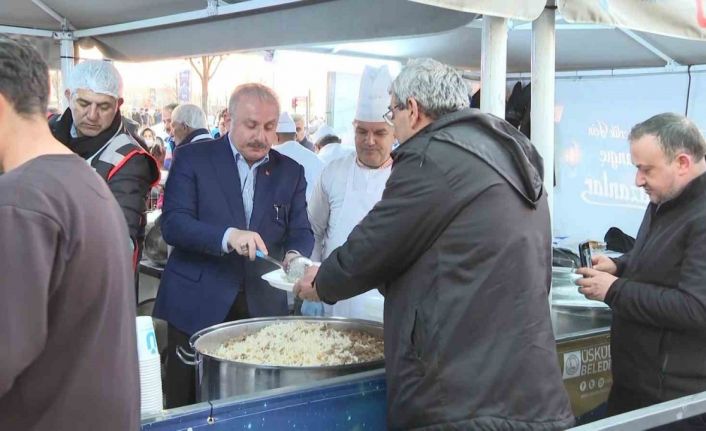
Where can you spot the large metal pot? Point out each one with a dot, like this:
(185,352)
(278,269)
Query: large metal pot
(218,378)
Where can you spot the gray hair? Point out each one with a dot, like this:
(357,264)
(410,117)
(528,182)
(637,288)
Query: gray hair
(675,134)
(259,91)
(98,76)
(190,115)
(437,88)
(24,77)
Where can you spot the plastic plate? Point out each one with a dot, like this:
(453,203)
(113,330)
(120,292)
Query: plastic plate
(277,279)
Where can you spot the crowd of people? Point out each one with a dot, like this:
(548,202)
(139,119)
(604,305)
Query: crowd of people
(438,208)
(145,117)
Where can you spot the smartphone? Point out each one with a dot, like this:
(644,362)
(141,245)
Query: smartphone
(585,254)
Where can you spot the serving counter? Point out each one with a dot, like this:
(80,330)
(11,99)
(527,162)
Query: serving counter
(357,401)
(583,347)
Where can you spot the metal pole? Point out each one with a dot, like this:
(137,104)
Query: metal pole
(542,109)
(67,65)
(493,66)
(244,6)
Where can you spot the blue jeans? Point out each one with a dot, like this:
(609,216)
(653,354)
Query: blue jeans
(310,308)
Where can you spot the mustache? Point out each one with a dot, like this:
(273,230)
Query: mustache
(257,145)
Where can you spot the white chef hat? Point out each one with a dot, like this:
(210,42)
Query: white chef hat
(98,76)
(322,131)
(286,124)
(373,96)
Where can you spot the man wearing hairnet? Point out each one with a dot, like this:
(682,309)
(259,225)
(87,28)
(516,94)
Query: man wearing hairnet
(92,127)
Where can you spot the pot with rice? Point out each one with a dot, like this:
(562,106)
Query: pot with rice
(254,355)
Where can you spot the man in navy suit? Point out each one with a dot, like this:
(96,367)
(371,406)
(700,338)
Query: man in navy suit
(224,200)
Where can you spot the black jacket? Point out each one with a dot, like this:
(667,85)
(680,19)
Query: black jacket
(306,143)
(658,339)
(461,242)
(131,182)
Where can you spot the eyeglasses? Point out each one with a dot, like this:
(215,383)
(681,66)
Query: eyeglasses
(390,114)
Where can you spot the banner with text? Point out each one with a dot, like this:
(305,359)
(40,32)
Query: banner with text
(595,176)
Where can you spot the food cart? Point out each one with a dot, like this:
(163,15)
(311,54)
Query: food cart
(357,401)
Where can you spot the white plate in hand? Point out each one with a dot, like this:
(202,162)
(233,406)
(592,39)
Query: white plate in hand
(278,280)
(579,303)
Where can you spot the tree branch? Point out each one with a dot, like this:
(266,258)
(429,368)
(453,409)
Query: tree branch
(215,68)
(191,61)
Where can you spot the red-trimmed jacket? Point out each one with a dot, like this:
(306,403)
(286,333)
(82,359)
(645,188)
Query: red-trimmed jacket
(130,172)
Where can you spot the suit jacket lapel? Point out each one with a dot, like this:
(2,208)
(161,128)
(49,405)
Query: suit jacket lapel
(263,193)
(229,180)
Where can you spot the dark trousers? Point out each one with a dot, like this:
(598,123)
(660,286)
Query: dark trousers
(623,400)
(180,381)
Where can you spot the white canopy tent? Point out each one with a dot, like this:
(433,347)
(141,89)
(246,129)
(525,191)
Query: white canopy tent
(677,18)
(131,30)
(514,35)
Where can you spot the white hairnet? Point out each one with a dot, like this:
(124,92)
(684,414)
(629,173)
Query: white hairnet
(98,76)
(191,115)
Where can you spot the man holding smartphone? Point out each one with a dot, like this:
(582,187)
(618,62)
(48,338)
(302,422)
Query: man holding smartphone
(657,291)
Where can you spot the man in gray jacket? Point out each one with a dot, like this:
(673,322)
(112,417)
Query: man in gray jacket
(461,243)
(657,291)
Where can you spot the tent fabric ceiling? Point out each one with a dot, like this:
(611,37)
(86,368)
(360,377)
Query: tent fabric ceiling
(392,29)
(576,49)
(527,10)
(90,13)
(296,26)
(676,18)
(22,13)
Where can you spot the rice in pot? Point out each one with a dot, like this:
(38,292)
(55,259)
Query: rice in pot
(302,344)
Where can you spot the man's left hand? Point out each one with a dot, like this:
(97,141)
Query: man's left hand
(595,284)
(304,288)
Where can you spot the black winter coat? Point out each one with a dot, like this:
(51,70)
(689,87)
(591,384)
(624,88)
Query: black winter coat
(130,184)
(461,242)
(658,336)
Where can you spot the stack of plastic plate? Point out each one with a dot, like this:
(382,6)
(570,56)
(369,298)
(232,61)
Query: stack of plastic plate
(150,372)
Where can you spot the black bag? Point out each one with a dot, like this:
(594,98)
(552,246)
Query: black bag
(617,240)
(564,257)
(155,247)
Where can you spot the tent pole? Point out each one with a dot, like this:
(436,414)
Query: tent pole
(66,42)
(65,24)
(670,62)
(493,66)
(542,109)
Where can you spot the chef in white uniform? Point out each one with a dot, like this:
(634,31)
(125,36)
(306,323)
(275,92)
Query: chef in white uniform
(333,150)
(350,186)
(286,134)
